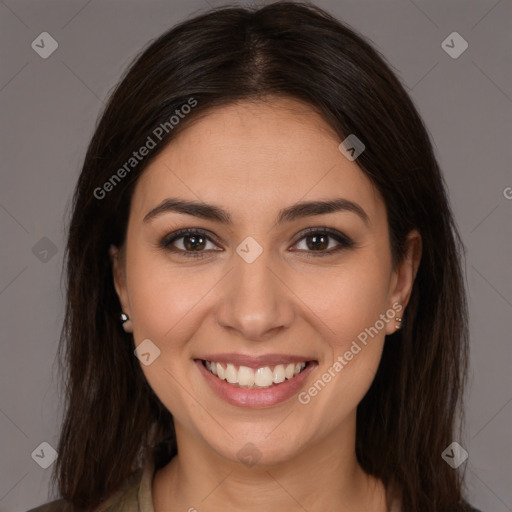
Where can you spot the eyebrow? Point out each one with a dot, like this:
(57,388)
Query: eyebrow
(289,214)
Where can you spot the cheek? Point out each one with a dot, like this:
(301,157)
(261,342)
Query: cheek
(348,298)
(162,300)
(165,307)
(350,302)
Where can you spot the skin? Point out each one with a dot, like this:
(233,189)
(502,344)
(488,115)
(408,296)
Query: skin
(253,159)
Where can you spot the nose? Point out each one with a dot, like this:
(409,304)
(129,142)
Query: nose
(255,301)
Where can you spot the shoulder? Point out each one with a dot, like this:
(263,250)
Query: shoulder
(124,499)
(469,508)
(53,506)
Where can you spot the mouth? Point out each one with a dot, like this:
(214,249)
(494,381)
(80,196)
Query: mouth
(255,382)
(264,377)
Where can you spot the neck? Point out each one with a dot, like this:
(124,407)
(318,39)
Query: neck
(325,476)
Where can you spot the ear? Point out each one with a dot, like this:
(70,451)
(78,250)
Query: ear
(117,261)
(403,277)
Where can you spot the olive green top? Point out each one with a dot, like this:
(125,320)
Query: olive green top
(135,496)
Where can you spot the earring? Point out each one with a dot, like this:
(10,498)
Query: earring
(127,323)
(399,325)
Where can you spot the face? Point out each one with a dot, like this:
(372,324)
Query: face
(258,286)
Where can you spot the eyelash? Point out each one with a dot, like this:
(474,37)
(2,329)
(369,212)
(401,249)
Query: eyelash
(344,241)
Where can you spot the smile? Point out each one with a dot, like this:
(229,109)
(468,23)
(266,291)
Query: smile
(249,378)
(248,381)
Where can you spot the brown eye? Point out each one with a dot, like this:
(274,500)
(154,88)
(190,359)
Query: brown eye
(189,242)
(318,240)
(194,242)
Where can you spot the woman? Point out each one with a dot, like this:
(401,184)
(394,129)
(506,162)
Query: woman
(261,207)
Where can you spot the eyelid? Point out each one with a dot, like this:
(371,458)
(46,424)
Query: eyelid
(334,233)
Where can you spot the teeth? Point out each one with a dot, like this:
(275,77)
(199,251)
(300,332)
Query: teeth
(246,376)
(263,377)
(289,371)
(279,374)
(231,374)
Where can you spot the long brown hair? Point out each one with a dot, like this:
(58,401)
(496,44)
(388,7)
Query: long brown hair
(113,421)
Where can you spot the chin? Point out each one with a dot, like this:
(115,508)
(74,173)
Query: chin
(258,450)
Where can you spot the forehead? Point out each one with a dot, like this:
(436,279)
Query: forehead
(255,157)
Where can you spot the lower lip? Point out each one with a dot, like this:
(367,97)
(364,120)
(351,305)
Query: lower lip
(267,397)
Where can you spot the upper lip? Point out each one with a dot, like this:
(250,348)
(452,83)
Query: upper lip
(255,362)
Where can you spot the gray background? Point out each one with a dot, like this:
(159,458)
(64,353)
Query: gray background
(48,109)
